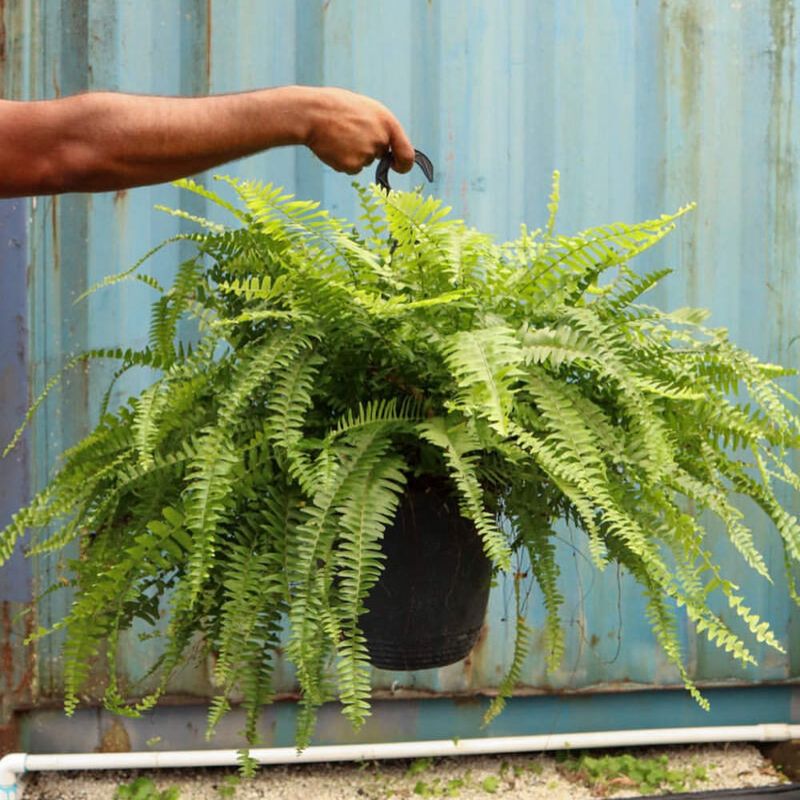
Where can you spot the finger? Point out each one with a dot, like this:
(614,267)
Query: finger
(402,149)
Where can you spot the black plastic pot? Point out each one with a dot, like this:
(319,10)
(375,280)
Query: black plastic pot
(429,605)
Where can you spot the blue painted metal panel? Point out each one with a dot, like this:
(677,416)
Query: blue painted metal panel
(183,727)
(642,106)
(16,668)
(15,580)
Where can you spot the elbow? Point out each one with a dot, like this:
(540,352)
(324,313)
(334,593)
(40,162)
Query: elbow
(38,171)
(53,147)
(69,167)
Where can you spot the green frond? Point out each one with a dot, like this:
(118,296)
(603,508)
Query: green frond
(132,357)
(456,442)
(129,274)
(248,619)
(192,186)
(568,259)
(552,205)
(522,645)
(168,309)
(377,412)
(485,363)
(713,498)
(249,486)
(290,399)
(149,405)
(541,551)
(662,621)
(367,508)
(315,538)
(627,288)
(201,222)
(210,481)
(555,346)
(149,280)
(262,287)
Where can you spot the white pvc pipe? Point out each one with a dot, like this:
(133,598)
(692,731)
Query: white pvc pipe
(16,764)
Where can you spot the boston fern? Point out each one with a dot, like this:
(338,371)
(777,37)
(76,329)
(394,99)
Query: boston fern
(248,488)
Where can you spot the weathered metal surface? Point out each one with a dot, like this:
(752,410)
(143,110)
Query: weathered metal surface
(16,660)
(183,726)
(642,106)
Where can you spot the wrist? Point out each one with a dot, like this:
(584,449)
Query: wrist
(298,110)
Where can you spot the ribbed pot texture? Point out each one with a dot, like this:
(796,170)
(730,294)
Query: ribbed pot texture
(429,605)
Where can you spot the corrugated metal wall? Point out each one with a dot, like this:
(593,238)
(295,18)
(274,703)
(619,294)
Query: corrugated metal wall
(641,105)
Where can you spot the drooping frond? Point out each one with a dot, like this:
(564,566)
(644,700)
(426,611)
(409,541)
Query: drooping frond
(456,443)
(368,507)
(522,643)
(323,365)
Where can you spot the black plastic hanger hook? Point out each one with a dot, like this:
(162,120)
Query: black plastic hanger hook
(382,172)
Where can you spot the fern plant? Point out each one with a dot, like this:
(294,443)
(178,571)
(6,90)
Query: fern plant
(251,483)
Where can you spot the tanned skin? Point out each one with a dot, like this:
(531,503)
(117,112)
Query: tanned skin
(103,141)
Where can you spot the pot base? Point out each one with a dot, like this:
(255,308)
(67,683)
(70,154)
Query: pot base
(393,655)
(428,607)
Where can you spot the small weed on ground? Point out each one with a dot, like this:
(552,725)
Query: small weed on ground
(144,789)
(420,779)
(228,786)
(607,774)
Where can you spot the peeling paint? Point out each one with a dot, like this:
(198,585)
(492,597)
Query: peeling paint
(683,49)
(10,736)
(6,647)
(3,48)
(783,154)
(209,41)
(55,249)
(16,664)
(690,28)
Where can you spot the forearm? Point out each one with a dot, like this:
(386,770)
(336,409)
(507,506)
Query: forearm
(103,141)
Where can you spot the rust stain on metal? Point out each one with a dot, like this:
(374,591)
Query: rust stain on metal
(26,685)
(120,195)
(476,655)
(115,739)
(691,52)
(783,158)
(681,68)
(13,26)
(6,649)
(691,61)
(471,699)
(54,232)
(3,47)
(208,45)
(9,736)
(16,662)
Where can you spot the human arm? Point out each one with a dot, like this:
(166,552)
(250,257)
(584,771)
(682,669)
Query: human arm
(103,141)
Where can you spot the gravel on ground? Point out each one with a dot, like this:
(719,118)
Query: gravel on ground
(554,776)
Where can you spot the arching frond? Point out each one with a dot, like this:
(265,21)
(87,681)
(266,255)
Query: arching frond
(248,487)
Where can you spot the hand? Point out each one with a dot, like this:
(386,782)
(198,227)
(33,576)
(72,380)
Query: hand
(349,131)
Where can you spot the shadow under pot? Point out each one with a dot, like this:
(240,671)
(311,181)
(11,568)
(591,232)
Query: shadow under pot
(428,607)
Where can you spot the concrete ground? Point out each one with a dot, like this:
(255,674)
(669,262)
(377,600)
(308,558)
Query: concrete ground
(554,776)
